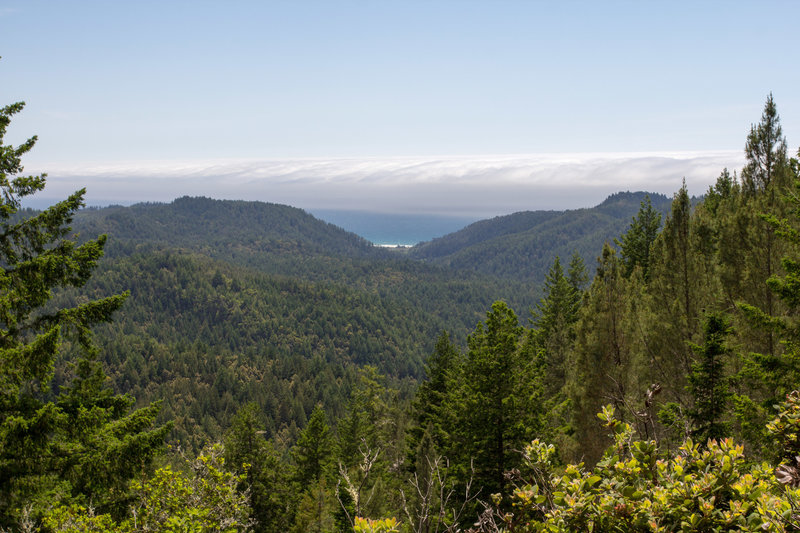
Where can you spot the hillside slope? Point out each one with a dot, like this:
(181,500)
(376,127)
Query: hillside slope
(522,246)
(232,302)
(204,222)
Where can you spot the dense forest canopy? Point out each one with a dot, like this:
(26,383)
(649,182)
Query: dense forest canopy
(235,366)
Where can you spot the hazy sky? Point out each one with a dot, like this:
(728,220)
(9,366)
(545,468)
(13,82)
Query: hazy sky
(489,107)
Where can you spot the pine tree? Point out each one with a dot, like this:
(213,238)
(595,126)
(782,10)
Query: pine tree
(674,300)
(88,443)
(765,151)
(709,381)
(313,452)
(501,397)
(554,318)
(429,411)
(766,177)
(770,376)
(635,244)
(601,362)
(264,473)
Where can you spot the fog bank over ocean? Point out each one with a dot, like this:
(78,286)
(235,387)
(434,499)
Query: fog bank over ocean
(469,187)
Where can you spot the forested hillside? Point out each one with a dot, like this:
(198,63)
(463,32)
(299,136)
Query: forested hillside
(234,302)
(522,246)
(307,382)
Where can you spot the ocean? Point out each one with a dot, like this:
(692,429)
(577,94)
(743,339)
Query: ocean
(394,229)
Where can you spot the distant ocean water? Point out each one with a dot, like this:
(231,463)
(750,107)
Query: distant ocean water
(393,229)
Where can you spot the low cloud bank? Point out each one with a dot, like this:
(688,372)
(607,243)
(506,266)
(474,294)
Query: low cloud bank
(460,186)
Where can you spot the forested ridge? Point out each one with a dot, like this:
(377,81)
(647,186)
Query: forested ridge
(522,246)
(290,377)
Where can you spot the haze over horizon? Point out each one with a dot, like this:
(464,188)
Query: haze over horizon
(479,187)
(350,105)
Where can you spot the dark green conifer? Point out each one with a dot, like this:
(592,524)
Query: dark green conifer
(313,452)
(267,476)
(709,381)
(500,397)
(87,444)
(635,244)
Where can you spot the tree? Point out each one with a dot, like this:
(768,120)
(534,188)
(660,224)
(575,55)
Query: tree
(205,501)
(430,416)
(84,446)
(501,398)
(675,299)
(765,151)
(552,339)
(313,452)
(370,446)
(261,470)
(709,382)
(772,375)
(602,362)
(636,242)
(766,176)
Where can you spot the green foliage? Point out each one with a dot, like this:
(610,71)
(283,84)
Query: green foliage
(208,500)
(602,360)
(635,244)
(384,525)
(313,452)
(204,502)
(522,246)
(709,382)
(554,318)
(430,412)
(498,402)
(86,444)
(261,470)
(637,488)
(765,151)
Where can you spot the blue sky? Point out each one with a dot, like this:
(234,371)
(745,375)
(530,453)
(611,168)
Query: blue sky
(125,96)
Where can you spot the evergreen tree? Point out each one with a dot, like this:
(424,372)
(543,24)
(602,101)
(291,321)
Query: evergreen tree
(709,382)
(554,318)
(501,397)
(602,360)
(577,275)
(674,296)
(765,151)
(635,244)
(87,444)
(313,452)
(371,444)
(765,179)
(770,376)
(429,411)
(263,472)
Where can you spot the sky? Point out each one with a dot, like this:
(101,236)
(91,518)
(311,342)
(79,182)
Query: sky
(466,108)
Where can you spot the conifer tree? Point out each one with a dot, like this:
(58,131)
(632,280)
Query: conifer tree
(263,472)
(313,452)
(765,151)
(553,320)
(709,381)
(577,275)
(674,300)
(87,444)
(770,376)
(635,244)
(502,397)
(601,359)
(766,177)
(431,419)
